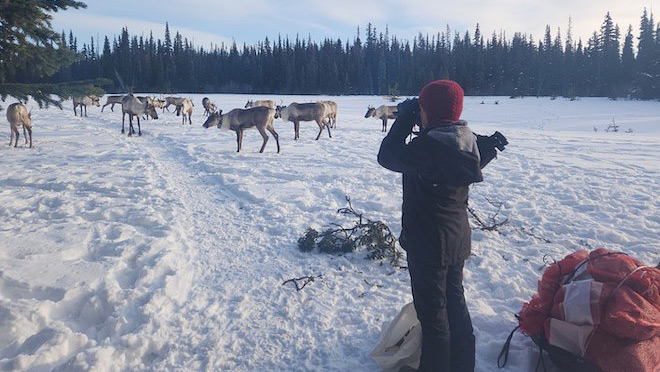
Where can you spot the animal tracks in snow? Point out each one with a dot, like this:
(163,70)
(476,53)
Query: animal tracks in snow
(168,251)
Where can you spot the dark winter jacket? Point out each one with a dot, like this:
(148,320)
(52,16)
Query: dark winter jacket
(438,166)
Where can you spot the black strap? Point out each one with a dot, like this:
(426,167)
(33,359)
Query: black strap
(505,350)
(540,361)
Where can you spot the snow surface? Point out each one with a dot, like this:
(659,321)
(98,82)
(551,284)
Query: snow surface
(169,251)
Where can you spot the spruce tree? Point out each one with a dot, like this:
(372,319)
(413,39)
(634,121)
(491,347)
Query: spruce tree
(627,63)
(646,63)
(569,63)
(609,64)
(30,52)
(656,58)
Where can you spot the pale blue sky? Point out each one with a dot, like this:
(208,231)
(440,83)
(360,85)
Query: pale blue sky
(250,21)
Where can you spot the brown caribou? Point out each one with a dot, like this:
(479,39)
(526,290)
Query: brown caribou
(112,100)
(240,119)
(18,115)
(383,112)
(172,101)
(134,107)
(84,101)
(185,108)
(267,103)
(209,106)
(297,112)
(332,113)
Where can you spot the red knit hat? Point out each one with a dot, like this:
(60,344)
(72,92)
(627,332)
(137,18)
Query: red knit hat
(442,100)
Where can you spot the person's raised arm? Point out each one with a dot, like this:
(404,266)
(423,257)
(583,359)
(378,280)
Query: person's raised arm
(394,153)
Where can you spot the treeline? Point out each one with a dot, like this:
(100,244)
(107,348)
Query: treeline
(606,65)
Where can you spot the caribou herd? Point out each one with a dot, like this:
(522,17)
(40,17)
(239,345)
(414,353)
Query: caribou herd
(258,114)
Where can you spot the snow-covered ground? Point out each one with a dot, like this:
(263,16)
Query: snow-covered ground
(169,251)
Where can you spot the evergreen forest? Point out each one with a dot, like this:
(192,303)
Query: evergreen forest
(611,63)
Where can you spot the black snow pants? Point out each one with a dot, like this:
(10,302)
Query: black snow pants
(447,334)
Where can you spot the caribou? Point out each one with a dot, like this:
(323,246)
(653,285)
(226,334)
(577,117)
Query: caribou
(332,112)
(239,119)
(209,106)
(383,112)
(18,115)
(266,103)
(134,107)
(172,101)
(159,103)
(183,109)
(153,101)
(112,100)
(297,112)
(84,101)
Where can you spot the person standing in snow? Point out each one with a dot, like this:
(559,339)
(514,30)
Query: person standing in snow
(438,166)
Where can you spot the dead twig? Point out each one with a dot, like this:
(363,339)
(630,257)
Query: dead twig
(304,279)
(492,224)
(533,235)
(372,285)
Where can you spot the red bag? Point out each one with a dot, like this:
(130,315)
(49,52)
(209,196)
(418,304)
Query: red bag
(602,307)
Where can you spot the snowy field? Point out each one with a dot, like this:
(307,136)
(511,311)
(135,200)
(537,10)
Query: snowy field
(169,251)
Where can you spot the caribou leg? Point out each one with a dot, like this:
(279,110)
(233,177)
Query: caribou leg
(277,137)
(384,125)
(130,125)
(139,130)
(123,118)
(262,131)
(320,130)
(14,134)
(239,139)
(30,132)
(328,126)
(25,135)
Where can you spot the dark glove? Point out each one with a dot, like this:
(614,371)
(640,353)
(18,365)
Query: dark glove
(407,116)
(499,141)
(409,109)
(487,146)
(492,142)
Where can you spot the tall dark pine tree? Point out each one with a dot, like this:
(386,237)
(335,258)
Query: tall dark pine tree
(569,70)
(610,64)
(627,63)
(646,64)
(548,70)
(106,60)
(557,57)
(656,58)
(477,62)
(168,58)
(593,62)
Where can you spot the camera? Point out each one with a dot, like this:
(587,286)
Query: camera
(498,140)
